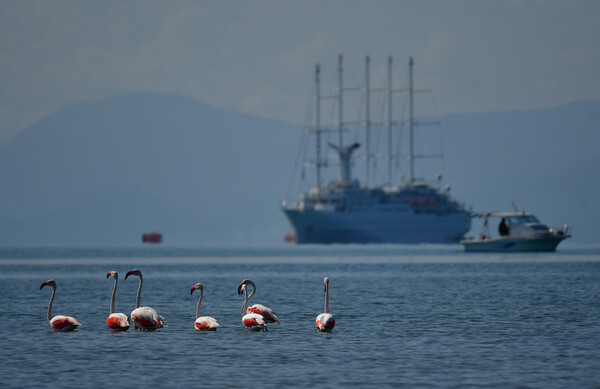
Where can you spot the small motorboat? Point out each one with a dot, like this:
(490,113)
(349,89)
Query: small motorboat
(517,232)
(152,237)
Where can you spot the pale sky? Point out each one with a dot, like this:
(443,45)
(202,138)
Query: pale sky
(258,56)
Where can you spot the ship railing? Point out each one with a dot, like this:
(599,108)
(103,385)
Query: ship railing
(565,230)
(327,207)
(298,205)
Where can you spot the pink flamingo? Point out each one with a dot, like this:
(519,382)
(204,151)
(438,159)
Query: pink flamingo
(116,321)
(144,318)
(325,321)
(59,322)
(251,320)
(259,309)
(203,323)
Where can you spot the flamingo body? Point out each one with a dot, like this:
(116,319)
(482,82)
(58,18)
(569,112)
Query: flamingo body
(118,322)
(206,323)
(64,323)
(256,316)
(59,322)
(265,312)
(254,322)
(203,323)
(325,322)
(147,319)
(144,318)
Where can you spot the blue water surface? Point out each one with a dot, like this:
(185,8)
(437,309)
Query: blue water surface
(406,316)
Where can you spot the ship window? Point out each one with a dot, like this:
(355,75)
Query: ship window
(514,220)
(522,219)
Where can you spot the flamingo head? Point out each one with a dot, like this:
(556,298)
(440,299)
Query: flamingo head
(112,273)
(243,285)
(52,283)
(134,272)
(326,282)
(195,287)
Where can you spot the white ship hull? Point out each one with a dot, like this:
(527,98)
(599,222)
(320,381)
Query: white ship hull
(402,226)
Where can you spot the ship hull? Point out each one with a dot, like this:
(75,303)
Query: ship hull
(404,227)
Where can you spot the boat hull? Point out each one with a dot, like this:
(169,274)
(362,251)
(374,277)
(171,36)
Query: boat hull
(404,227)
(514,244)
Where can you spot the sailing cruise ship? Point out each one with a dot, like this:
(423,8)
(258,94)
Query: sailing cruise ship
(344,210)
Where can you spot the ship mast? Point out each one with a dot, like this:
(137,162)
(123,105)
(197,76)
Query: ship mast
(411,122)
(341,102)
(318,128)
(367,118)
(390,121)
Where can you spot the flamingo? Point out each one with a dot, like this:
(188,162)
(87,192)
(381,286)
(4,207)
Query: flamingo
(203,323)
(252,321)
(59,322)
(325,321)
(265,312)
(116,321)
(144,318)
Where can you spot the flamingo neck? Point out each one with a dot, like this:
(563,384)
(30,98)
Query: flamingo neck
(327,299)
(245,304)
(247,298)
(253,289)
(326,281)
(112,298)
(139,293)
(51,301)
(199,303)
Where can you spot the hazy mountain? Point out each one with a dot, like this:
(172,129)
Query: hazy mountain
(105,172)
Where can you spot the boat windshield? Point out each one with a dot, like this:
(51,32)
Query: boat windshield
(523,219)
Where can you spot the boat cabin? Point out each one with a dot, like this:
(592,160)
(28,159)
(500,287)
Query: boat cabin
(510,224)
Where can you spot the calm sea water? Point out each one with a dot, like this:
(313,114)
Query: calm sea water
(405,317)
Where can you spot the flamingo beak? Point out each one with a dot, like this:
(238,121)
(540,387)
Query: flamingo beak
(193,289)
(108,274)
(129,273)
(241,288)
(43,284)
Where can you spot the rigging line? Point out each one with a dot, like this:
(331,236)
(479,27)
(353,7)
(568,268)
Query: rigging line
(359,114)
(403,113)
(381,104)
(434,114)
(329,133)
(440,130)
(399,132)
(303,141)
